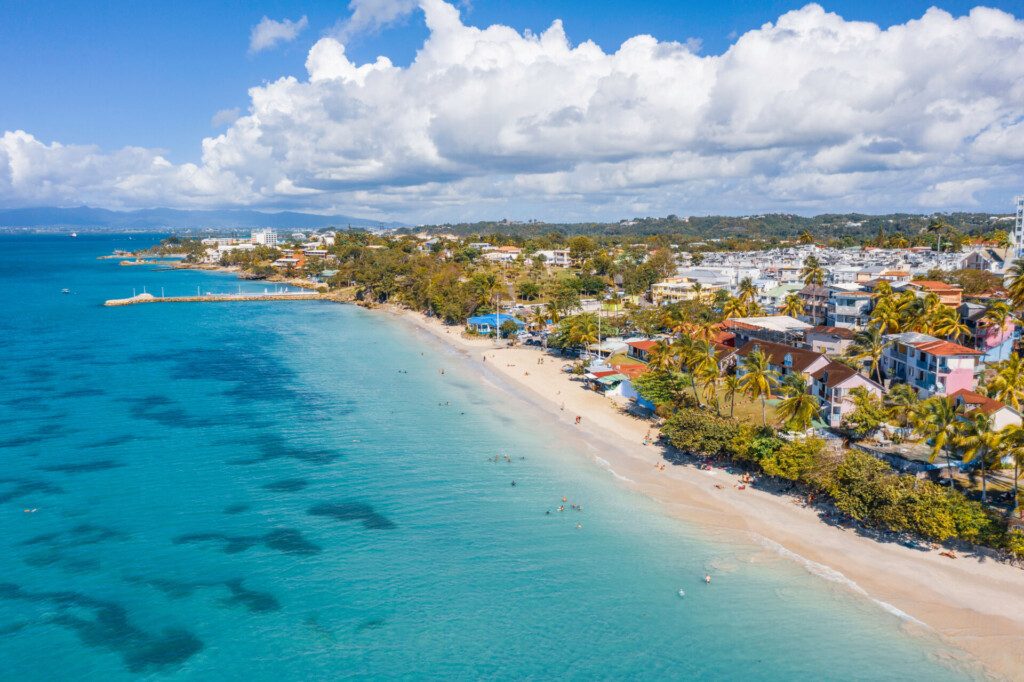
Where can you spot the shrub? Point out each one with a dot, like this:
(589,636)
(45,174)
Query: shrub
(700,433)
(794,460)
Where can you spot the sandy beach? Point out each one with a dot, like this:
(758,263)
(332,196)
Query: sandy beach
(976,605)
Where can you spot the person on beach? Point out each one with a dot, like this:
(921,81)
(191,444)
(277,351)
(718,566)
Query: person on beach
(577,419)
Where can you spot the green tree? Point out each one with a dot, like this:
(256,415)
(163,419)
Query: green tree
(977,440)
(794,460)
(732,386)
(793,306)
(813,272)
(868,414)
(937,419)
(759,380)
(870,344)
(798,407)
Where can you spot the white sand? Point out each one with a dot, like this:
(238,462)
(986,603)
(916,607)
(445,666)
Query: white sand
(975,605)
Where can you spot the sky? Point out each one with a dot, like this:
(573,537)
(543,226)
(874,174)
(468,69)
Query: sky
(427,111)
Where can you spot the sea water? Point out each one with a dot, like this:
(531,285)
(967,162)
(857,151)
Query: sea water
(302,490)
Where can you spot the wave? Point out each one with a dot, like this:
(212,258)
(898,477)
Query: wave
(608,467)
(832,575)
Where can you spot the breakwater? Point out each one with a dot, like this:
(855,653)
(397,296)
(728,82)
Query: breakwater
(217,298)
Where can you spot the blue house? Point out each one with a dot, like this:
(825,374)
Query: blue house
(488,324)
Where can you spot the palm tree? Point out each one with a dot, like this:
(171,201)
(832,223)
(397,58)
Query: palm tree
(734,308)
(997,314)
(709,376)
(805,238)
(583,331)
(699,359)
(759,379)
(1013,440)
(1015,275)
(732,386)
(793,306)
(901,401)
(937,419)
(885,317)
(746,292)
(662,356)
(812,272)
(870,344)
(1007,386)
(946,323)
(937,227)
(798,406)
(978,439)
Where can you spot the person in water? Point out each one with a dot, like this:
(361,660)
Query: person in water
(707,579)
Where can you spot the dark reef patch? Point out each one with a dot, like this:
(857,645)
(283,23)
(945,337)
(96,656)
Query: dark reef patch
(239,595)
(113,441)
(109,627)
(287,485)
(81,393)
(17,488)
(287,540)
(352,511)
(272,447)
(82,467)
(370,624)
(236,508)
(157,408)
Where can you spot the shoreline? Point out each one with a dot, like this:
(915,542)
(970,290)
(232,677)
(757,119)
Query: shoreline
(972,604)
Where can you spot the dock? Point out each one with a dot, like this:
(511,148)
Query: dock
(219,298)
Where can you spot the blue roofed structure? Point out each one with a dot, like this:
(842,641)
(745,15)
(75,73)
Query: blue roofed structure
(488,324)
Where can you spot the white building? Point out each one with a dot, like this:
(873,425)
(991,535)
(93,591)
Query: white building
(266,237)
(1018,229)
(556,258)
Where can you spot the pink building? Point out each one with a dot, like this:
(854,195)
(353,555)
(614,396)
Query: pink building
(930,365)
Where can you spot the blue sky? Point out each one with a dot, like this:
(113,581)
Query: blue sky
(152,74)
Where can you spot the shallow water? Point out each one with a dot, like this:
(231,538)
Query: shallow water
(255,491)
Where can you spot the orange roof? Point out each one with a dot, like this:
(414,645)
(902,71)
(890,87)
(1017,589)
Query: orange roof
(642,345)
(977,401)
(723,337)
(733,324)
(631,370)
(938,347)
(933,285)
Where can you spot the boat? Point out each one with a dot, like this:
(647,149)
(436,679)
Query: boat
(65,291)
(74,234)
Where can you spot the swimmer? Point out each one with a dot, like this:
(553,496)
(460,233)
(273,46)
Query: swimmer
(707,579)
(579,525)
(682,593)
(513,484)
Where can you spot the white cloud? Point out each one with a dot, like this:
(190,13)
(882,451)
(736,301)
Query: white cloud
(269,33)
(371,15)
(225,117)
(810,112)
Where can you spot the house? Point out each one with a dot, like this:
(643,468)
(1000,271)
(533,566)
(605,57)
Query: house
(996,344)
(776,328)
(640,350)
(1000,414)
(930,365)
(949,294)
(829,340)
(773,299)
(987,259)
(556,258)
(489,324)
(815,300)
(832,385)
(783,359)
(849,308)
(676,289)
(503,254)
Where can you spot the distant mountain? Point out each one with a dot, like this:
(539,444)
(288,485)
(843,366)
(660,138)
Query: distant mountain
(157,219)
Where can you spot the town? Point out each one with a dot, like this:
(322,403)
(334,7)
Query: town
(796,360)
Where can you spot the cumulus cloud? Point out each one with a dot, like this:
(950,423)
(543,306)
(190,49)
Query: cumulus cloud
(269,33)
(371,15)
(810,112)
(225,117)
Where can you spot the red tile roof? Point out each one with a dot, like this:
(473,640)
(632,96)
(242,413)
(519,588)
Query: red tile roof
(933,285)
(642,345)
(840,332)
(977,401)
(631,370)
(776,353)
(938,347)
(835,373)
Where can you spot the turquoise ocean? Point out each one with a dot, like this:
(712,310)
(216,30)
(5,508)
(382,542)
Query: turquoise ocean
(294,491)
